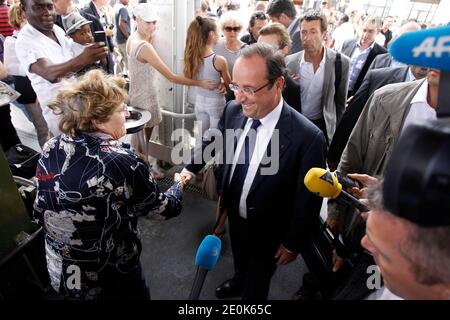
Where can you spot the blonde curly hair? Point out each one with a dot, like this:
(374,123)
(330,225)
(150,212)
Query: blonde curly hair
(95,96)
(16,15)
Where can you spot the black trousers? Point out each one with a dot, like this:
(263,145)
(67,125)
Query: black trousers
(8,137)
(118,286)
(253,268)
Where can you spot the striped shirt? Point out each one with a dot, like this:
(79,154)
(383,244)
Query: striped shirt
(5,28)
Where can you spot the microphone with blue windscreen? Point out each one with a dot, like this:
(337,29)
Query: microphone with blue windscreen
(428,48)
(206,259)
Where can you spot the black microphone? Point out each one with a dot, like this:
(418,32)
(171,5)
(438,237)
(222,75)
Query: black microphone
(346,181)
(326,185)
(206,259)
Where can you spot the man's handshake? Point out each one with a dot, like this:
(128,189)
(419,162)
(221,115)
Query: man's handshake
(184,178)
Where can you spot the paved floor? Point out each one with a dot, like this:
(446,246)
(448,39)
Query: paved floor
(169,247)
(169,254)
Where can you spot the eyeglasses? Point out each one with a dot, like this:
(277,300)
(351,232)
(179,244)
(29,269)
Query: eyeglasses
(246,90)
(260,16)
(235,29)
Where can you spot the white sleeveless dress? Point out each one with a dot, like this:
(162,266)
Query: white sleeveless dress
(142,85)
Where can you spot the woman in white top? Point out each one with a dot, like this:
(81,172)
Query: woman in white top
(201,62)
(21,82)
(143,60)
(230,45)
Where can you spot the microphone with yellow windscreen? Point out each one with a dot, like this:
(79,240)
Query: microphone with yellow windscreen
(322,183)
(325,184)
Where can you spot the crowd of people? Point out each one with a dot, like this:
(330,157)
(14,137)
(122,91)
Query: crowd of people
(321,81)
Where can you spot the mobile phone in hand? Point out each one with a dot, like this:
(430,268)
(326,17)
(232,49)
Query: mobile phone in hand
(100,36)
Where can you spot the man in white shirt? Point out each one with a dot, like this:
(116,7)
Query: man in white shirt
(271,214)
(323,97)
(46,54)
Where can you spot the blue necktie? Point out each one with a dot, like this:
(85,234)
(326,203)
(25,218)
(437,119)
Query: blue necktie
(240,170)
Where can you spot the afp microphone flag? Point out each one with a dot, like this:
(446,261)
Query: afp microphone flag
(426,48)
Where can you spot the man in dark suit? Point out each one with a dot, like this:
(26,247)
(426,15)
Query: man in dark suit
(284,12)
(361,53)
(374,80)
(270,211)
(276,35)
(94,11)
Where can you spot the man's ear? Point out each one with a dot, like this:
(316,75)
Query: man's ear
(280,83)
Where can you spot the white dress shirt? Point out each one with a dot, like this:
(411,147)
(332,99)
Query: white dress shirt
(410,76)
(383,294)
(32,45)
(263,136)
(420,110)
(12,64)
(311,87)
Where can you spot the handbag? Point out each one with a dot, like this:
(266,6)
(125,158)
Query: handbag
(209,184)
(22,160)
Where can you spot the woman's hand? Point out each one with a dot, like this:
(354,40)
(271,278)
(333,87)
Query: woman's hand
(181,179)
(208,84)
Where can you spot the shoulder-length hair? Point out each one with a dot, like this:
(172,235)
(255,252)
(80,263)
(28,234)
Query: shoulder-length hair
(95,96)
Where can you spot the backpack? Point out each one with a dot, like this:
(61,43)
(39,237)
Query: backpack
(337,73)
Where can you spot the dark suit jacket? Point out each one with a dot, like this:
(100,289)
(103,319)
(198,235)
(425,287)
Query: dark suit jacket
(90,13)
(58,21)
(295,37)
(381,61)
(374,80)
(280,210)
(347,49)
(291,93)
(248,39)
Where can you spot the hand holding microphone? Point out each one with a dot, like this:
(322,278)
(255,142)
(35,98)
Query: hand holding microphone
(326,185)
(365,181)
